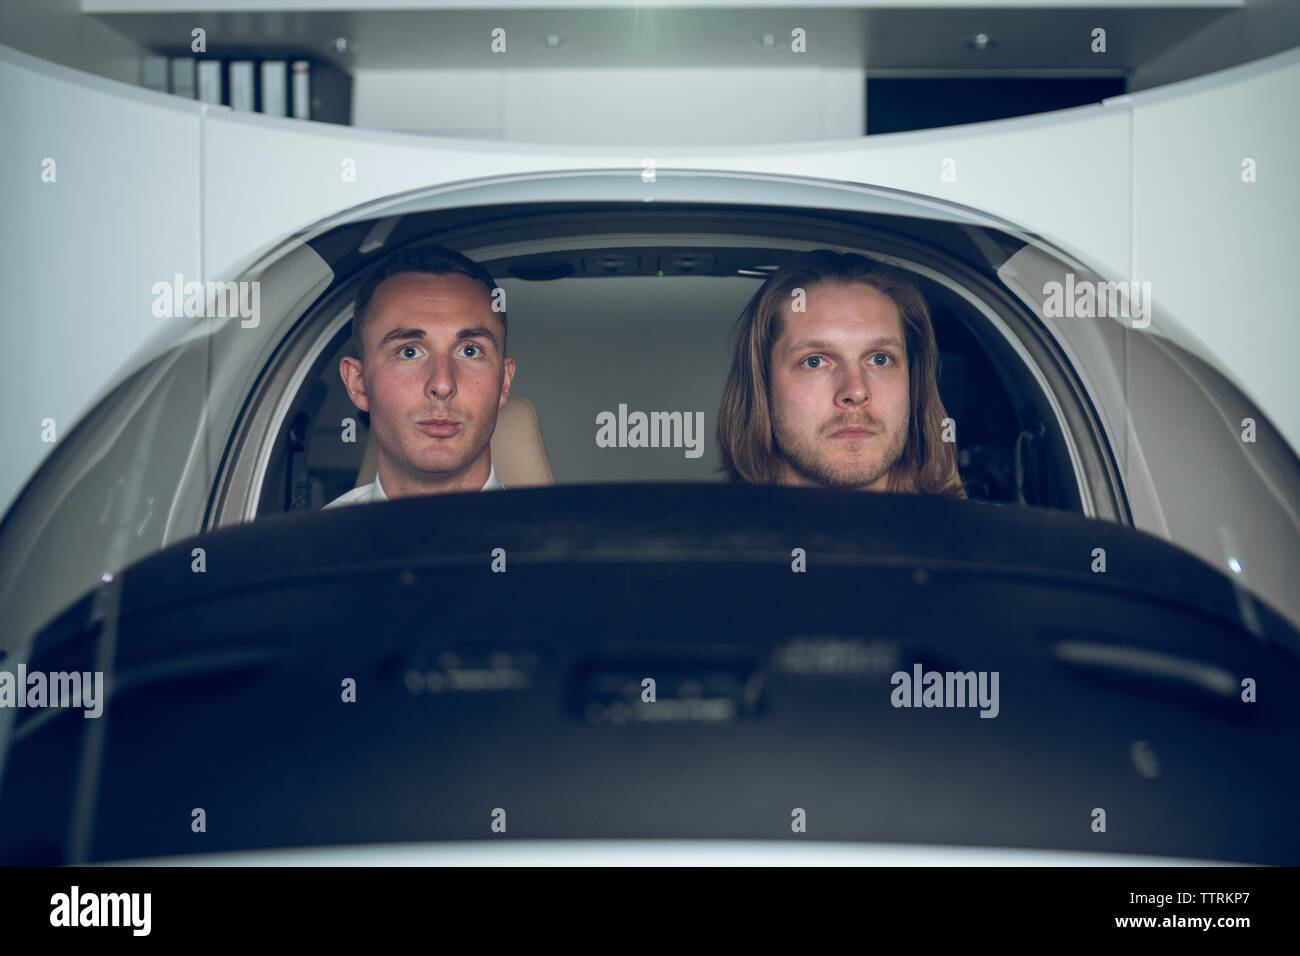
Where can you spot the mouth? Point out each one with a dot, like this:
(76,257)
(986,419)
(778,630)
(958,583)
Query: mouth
(852,433)
(439,427)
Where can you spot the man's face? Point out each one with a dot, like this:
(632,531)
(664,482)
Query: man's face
(433,377)
(839,389)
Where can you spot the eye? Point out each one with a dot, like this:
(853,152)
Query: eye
(407,348)
(881,355)
(480,350)
(813,358)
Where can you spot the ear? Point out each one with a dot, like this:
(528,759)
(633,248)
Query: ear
(505,383)
(354,381)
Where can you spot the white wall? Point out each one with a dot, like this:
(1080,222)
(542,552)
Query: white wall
(81,253)
(1220,253)
(617,107)
(1065,173)
(1147,186)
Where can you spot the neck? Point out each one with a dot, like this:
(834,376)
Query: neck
(787,475)
(403,483)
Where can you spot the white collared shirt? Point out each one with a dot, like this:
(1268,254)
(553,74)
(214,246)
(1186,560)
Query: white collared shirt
(374,491)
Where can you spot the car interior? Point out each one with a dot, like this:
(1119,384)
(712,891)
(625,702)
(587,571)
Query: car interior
(593,328)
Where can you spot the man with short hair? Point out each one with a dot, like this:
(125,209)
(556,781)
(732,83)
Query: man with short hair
(429,336)
(834,382)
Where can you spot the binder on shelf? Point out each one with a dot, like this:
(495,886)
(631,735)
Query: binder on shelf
(274,88)
(242,92)
(330,93)
(301,89)
(183,77)
(209,82)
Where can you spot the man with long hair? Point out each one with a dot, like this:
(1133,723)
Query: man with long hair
(834,382)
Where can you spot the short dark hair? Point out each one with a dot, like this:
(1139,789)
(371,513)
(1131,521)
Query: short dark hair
(431,260)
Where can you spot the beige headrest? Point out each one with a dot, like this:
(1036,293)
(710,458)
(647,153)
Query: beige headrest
(518,454)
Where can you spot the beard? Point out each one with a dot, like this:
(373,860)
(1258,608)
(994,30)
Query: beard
(809,457)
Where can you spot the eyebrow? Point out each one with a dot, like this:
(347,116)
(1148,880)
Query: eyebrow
(830,347)
(401,334)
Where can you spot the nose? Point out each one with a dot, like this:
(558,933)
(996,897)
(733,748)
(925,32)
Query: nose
(441,383)
(853,388)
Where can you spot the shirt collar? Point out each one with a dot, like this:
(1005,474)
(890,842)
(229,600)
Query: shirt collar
(492,484)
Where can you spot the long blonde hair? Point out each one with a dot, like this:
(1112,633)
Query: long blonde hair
(928,464)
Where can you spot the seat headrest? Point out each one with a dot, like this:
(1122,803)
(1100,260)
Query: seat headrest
(518,454)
